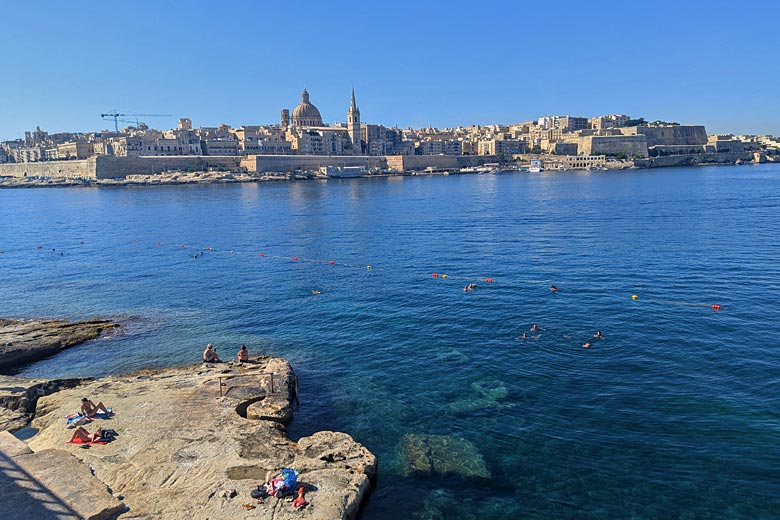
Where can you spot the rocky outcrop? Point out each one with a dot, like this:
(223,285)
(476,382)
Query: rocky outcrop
(184,438)
(18,397)
(25,341)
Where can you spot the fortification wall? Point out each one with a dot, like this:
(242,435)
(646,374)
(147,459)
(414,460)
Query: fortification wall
(678,134)
(693,160)
(117,167)
(107,167)
(291,163)
(403,163)
(84,169)
(630,145)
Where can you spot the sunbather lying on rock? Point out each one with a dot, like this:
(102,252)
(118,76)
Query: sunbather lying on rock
(90,409)
(84,436)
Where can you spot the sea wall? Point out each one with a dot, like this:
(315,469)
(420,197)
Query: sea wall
(693,160)
(117,167)
(291,163)
(84,169)
(401,163)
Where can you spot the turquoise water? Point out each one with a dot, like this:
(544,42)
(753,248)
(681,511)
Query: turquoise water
(674,415)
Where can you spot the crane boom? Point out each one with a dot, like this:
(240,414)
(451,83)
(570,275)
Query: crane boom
(116,115)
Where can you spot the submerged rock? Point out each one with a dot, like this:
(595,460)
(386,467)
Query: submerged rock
(441,454)
(485,395)
(25,341)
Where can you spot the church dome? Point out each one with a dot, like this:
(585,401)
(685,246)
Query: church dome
(306,114)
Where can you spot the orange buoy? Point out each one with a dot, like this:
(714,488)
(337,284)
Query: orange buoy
(332,262)
(716,307)
(488,280)
(435,275)
(295,259)
(260,254)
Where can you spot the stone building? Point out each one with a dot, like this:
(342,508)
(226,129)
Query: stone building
(353,126)
(306,114)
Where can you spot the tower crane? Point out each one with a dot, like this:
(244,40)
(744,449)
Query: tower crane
(116,115)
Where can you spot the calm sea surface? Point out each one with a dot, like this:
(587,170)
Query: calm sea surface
(676,414)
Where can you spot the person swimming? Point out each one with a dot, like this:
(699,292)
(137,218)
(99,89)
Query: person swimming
(534,328)
(554,288)
(598,335)
(470,287)
(316,292)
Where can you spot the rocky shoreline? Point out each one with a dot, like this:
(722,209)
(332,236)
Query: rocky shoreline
(193,442)
(26,341)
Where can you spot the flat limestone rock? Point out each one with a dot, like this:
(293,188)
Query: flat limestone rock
(183,439)
(25,341)
(53,484)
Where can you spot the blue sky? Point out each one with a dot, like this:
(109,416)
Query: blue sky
(411,63)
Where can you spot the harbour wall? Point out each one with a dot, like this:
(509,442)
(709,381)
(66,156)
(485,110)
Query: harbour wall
(402,163)
(694,159)
(108,167)
(291,163)
(84,169)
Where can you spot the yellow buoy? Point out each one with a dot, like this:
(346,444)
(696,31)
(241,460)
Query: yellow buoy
(634,297)
(444,276)
(368,267)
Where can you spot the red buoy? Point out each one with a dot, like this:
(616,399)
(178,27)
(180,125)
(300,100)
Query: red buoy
(260,254)
(209,249)
(488,280)
(181,245)
(435,275)
(332,262)
(157,243)
(716,307)
(295,259)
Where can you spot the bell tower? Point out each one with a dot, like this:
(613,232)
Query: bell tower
(353,125)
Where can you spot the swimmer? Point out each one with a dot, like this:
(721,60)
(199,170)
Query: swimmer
(315,292)
(524,336)
(554,288)
(586,345)
(470,287)
(534,328)
(598,335)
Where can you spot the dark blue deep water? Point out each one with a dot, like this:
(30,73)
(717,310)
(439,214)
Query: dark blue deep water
(675,414)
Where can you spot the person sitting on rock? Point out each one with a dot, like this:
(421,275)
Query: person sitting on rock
(210,355)
(90,409)
(243,354)
(84,436)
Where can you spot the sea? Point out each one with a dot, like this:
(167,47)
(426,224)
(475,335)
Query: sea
(674,414)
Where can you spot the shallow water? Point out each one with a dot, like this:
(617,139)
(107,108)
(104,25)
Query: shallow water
(674,415)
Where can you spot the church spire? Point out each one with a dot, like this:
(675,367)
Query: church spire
(353,105)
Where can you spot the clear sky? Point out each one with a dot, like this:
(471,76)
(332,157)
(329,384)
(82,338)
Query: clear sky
(412,63)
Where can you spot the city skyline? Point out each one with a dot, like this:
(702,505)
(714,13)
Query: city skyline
(414,65)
